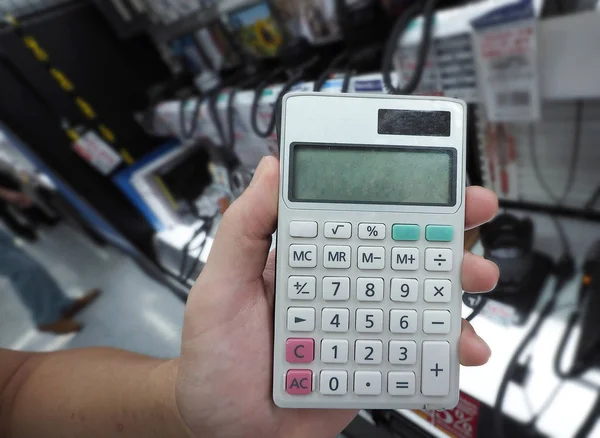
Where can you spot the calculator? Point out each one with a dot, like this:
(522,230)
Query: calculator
(369,251)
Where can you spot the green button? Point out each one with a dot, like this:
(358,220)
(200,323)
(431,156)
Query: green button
(439,233)
(406,232)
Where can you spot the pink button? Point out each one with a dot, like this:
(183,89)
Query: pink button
(298,382)
(300,350)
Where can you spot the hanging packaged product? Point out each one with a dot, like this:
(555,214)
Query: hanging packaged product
(257,30)
(214,41)
(505,42)
(97,152)
(315,20)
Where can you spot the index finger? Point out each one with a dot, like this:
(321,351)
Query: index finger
(481,206)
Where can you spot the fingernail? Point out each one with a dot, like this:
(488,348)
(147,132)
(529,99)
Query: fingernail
(485,347)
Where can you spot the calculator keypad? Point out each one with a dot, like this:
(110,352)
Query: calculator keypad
(354,333)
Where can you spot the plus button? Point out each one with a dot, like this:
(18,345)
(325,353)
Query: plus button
(437,370)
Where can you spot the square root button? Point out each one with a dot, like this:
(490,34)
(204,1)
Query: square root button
(298,382)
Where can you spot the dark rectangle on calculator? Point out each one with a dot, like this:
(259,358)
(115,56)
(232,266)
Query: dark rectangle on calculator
(414,123)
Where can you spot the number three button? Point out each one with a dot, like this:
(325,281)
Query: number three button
(403,352)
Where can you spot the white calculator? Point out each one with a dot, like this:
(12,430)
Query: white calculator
(369,252)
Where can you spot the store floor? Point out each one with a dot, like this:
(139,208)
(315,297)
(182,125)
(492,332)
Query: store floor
(134,312)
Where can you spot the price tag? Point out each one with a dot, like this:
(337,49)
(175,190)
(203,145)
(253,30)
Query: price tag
(460,422)
(505,42)
(95,151)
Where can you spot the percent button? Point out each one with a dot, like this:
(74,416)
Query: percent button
(371,231)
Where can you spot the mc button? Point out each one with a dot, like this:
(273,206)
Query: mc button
(303,256)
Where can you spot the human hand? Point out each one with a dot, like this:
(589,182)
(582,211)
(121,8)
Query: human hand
(224,382)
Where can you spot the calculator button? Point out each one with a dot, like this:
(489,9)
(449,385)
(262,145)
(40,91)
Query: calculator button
(303,229)
(298,382)
(302,288)
(368,352)
(371,257)
(401,383)
(303,256)
(436,368)
(338,230)
(438,259)
(301,319)
(403,352)
(333,382)
(439,233)
(369,320)
(335,320)
(405,259)
(336,288)
(371,231)
(404,290)
(367,382)
(406,232)
(403,321)
(334,351)
(336,257)
(438,291)
(436,322)
(300,350)
(369,289)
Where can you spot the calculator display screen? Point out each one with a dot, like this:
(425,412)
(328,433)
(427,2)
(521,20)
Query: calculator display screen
(373,174)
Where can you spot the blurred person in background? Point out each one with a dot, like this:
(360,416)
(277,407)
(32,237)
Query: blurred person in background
(52,311)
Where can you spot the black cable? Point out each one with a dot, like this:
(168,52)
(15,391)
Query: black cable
(477,309)
(322,79)
(185,133)
(295,76)
(427,8)
(559,200)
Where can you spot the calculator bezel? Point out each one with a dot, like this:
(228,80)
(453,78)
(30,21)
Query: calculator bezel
(318,122)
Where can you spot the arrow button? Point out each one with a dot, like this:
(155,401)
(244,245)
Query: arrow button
(301,319)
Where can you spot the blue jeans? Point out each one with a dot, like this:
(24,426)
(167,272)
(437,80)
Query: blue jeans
(35,287)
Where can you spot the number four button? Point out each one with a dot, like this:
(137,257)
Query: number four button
(335,320)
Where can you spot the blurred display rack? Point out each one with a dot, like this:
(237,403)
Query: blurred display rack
(164,33)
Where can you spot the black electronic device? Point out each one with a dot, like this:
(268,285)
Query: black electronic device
(508,242)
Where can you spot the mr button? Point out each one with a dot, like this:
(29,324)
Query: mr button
(298,382)
(300,350)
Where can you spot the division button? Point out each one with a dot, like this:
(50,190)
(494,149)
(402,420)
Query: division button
(438,259)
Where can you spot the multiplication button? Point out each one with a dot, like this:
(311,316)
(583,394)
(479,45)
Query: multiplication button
(438,291)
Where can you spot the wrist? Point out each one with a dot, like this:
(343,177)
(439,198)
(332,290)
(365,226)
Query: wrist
(165,375)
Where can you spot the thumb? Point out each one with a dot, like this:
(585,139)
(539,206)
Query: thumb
(241,246)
